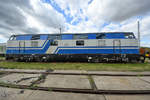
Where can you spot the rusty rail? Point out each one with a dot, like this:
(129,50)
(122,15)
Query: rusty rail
(60,73)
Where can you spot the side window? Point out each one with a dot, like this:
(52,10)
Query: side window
(34,43)
(35,37)
(54,43)
(129,36)
(54,37)
(80,43)
(100,36)
(80,36)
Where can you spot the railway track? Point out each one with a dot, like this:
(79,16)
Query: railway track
(75,90)
(69,73)
(93,90)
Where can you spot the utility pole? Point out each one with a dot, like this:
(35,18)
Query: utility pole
(60,30)
(139,37)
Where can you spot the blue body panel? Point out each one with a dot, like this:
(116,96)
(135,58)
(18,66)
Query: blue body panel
(26,37)
(77,50)
(98,51)
(115,36)
(43,37)
(91,36)
(67,37)
(71,36)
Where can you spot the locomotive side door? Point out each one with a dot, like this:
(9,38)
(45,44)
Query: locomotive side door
(21,47)
(101,43)
(117,46)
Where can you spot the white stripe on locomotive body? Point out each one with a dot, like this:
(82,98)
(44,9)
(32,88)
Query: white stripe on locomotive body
(51,49)
(28,43)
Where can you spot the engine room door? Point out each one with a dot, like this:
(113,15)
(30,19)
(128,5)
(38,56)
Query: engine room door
(21,47)
(101,43)
(117,46)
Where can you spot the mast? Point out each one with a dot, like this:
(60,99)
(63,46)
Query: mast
(139,34)
(60,30)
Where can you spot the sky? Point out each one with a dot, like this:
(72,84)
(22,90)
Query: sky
(74,16)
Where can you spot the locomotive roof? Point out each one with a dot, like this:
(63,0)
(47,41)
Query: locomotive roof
(76,33)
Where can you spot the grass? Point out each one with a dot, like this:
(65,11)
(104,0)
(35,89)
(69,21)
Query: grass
(77,66)
(2,58)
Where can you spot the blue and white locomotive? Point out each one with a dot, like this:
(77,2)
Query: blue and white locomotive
(93,47)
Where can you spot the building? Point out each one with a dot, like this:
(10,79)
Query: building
(2,49)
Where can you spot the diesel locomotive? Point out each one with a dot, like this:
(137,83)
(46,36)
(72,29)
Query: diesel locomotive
(91,47)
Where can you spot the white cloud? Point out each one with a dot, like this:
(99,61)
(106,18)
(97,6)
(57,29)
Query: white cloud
(118,10)
(26,17)
(84,27)
(34,16)
(74,5)
(45,17)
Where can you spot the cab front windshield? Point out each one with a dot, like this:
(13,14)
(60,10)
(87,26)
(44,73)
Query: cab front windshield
(12,38)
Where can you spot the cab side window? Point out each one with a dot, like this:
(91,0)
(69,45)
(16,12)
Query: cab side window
(54,43)
(80,43)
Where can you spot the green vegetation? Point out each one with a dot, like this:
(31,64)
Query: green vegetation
(2,58)
(146,48)
(77,66)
